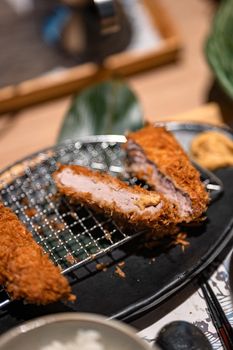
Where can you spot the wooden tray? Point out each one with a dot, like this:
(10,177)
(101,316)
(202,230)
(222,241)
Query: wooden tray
(64,82)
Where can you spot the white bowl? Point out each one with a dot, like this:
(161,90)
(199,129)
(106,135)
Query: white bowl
(63,327)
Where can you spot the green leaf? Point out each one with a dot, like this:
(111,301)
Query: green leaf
(219,46)
(106,108)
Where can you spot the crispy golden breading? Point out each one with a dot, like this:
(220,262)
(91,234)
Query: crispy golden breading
(25,270)
(212,150)
(155,156)
(129,205)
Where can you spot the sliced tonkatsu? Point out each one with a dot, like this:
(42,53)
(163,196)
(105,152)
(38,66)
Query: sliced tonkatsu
(129,205)
(154,156)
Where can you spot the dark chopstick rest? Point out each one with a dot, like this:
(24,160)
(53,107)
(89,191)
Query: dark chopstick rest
(182,335)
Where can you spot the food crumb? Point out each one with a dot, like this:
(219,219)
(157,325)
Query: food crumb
(70,258)
(39,229)
(180,239)
(101,267)
(30,212)
(108,236)
(24,201)
(72,298)
(74,215)
(57,225)
(119,272)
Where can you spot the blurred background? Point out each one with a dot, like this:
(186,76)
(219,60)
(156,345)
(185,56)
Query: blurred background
(175,58)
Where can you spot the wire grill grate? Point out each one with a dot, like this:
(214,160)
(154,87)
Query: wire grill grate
(71,235)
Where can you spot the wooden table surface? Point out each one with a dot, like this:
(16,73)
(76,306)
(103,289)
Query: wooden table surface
(165,92)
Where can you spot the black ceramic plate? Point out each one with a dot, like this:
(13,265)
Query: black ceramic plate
(151,275)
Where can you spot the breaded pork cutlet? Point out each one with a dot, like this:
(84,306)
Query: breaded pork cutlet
(25,270)
(129,205)
(154,156)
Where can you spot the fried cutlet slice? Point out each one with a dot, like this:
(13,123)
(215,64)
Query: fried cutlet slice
(129,205)
(25,270)
(154,156)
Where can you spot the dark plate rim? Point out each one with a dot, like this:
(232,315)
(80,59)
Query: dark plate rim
(136,309)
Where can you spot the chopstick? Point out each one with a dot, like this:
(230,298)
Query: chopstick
(221,323)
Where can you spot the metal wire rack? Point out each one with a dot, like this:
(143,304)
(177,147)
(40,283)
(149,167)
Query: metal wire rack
(71,235)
